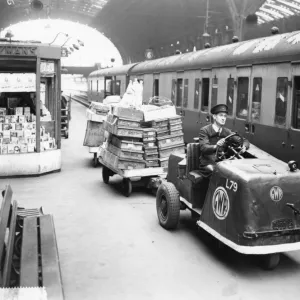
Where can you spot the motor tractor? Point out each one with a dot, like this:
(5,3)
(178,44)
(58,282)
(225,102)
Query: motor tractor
(251,201)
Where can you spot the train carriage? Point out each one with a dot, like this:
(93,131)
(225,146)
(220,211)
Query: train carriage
(258,79)
(108,82)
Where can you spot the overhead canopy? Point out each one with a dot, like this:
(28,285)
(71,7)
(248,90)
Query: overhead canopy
(162,25)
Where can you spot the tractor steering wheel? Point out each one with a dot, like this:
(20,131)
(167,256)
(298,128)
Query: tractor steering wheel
(232,149)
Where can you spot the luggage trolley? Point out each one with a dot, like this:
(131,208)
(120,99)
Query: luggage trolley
(148,177)
(95,136)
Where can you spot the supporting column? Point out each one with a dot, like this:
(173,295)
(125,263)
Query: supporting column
(237,17)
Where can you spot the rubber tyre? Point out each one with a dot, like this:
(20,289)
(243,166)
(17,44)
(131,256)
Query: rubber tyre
(127,187)
(168,205)
(95,160)
(270,261)
(105,175)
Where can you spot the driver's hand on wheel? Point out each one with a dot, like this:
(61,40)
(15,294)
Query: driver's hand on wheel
(221,143)
(243,150)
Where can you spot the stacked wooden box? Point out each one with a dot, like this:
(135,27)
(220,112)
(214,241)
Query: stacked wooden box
(124,148)
(170,140)
(150,147)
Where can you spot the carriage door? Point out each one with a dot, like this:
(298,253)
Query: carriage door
(242,121)
(293,142)
(179,94)
(204,118)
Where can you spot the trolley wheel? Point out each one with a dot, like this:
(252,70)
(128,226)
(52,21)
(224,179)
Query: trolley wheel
(105,174)
(168,205)
(270,261)
(127,186)
(95,160)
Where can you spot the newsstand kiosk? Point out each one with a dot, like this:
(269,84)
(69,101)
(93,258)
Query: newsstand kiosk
(30,129)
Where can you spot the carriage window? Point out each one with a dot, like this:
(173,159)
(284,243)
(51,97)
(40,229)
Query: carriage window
(179,92)
(118,87)
(230,95)
(242,97)
(196,94)
(296,103)
(156,87)
(185,92)
(97,86)
(205,94)
(173,90)
(281,100)
(214,92)
(108,87)
(256,99)
(91,85)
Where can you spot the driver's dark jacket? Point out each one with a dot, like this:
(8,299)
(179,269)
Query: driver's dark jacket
(208,138)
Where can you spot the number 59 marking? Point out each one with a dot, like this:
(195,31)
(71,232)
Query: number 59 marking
(231,185)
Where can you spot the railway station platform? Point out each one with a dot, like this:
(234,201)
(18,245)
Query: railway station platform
(112,247)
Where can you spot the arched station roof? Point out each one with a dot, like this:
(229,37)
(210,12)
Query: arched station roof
(135,25)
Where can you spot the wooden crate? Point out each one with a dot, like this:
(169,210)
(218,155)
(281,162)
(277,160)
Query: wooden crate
(126,164)
(152,163)
(126,144)
(128,113)
(110,158)
(159,123)
(175,120)
(94,135)
(176,127)
(150,144)
(167,151)
(122,130)
(150,150)
(128,123)
(163,133)
(165,112)
(122,153)
(149,133)
(151,156)
(170,140)
(164,162)
(149,139)
(162,128)
(175,132)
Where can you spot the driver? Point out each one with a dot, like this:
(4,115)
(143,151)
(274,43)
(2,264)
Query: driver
(212,136)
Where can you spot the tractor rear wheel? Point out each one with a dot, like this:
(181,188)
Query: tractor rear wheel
(168,205)
(270,261)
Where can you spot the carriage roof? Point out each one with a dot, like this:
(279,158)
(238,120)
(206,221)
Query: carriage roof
(119,70)
(272,49)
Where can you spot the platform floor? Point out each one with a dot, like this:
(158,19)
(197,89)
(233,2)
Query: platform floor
(112,247)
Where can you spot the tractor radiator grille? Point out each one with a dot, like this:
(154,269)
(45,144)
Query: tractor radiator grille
(282,224)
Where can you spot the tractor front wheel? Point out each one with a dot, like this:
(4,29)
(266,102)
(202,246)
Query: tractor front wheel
(168,205)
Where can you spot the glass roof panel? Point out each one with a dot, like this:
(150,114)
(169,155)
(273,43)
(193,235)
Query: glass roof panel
(277,9)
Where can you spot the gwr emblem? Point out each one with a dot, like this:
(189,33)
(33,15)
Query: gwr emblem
(276,193)
(220,203)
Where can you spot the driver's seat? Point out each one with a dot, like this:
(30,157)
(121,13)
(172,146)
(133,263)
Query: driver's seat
(192,163)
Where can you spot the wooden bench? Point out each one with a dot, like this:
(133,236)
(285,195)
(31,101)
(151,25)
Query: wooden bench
(38,262)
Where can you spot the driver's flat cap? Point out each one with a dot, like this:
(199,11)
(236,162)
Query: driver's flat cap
(219,108)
